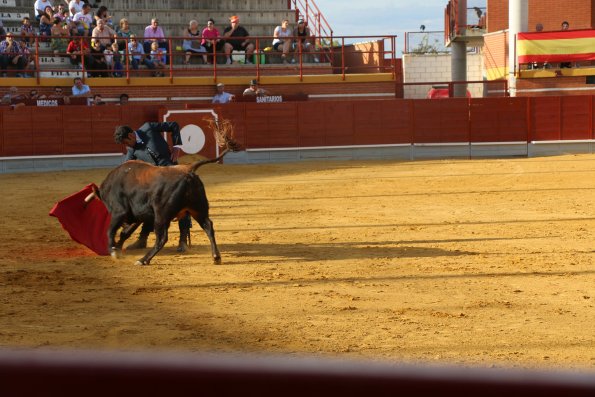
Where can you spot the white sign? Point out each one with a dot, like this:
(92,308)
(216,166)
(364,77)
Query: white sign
(269,99)
(13,16)
(8,3)
(72,74)
(193,139)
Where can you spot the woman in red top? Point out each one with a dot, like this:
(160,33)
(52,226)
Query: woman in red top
(211,38)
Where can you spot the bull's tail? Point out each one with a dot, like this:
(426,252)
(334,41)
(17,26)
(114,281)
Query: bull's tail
(200,163)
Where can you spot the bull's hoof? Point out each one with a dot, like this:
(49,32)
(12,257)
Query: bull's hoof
(183,247)
(115,254)
(141,263)
(217,260)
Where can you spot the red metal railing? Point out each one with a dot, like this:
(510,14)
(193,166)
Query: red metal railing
(381,50)
(314,18)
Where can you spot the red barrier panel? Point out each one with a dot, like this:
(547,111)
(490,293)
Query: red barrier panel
(1,134)
(18,133)
(441,121)
(104,120)
(339,123)
(576,117)
(77,127)
(545,118)
(381,122)
(498,120)
(48,138)
(312,124)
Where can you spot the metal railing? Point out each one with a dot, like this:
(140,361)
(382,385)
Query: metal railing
(315,20)
(331,54)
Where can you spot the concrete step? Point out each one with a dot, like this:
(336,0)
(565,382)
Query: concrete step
(181,17)
(237,5)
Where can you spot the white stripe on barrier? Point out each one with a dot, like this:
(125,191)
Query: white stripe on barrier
(60,156)
(326,147)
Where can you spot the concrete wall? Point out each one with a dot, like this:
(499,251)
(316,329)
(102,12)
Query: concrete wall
(436,68)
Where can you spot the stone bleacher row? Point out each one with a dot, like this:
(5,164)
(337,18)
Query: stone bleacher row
(259,17)
(174,21)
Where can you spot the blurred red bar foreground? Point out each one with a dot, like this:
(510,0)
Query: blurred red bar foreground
(87,373)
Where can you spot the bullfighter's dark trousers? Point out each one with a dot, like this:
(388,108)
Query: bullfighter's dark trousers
(184,224)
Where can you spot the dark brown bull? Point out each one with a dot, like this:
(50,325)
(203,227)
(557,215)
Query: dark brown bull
(138,192)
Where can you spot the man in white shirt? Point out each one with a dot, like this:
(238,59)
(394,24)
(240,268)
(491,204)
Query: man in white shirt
(83,20)
(39,7)
(221,96)
(75,6)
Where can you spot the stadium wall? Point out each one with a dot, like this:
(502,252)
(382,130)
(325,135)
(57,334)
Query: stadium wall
(36,139)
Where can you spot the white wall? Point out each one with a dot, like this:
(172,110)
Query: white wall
(436,68)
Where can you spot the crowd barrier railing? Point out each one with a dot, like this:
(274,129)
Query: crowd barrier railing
(323,55)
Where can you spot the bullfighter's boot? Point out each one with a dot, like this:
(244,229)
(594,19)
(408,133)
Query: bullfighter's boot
(184,240)
(139,244)
(184,224)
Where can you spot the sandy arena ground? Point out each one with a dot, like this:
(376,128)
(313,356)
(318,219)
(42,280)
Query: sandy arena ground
(484,262)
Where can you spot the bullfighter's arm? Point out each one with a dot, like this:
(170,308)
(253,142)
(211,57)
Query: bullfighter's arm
(173,128)
(129,154)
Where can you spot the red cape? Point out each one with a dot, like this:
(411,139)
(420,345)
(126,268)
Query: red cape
(86,224)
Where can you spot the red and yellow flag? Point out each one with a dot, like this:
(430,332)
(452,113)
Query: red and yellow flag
(565,46)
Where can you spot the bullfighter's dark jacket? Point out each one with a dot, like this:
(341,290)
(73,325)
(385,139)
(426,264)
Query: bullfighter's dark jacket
(152,147)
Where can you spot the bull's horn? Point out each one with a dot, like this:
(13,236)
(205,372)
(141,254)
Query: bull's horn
(90,197)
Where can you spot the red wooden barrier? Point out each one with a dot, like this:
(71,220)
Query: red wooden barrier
(576,117)
(441,121)
(35,131)
(498,120)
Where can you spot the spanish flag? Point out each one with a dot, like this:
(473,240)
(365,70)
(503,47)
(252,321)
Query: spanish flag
(564,46)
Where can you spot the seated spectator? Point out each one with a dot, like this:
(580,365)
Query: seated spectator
(75,6)
(83,20)
(191,43)
(59,11)
(28,59)
(154,33)
(103,14)
(46,22)
(27,31)
(239,42)
(59,94)
(98,66)
(305,41)
(39,8)
(60,34)
(158,58)
(102,35)
(13,98)
(211,40)
(34,94)
(97,100)
(10,54)
(113,59)
(221,96)
(282,40)
(123,99)
(137,54)
(123,31)
(254,90)
(79,52)
(79,89)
